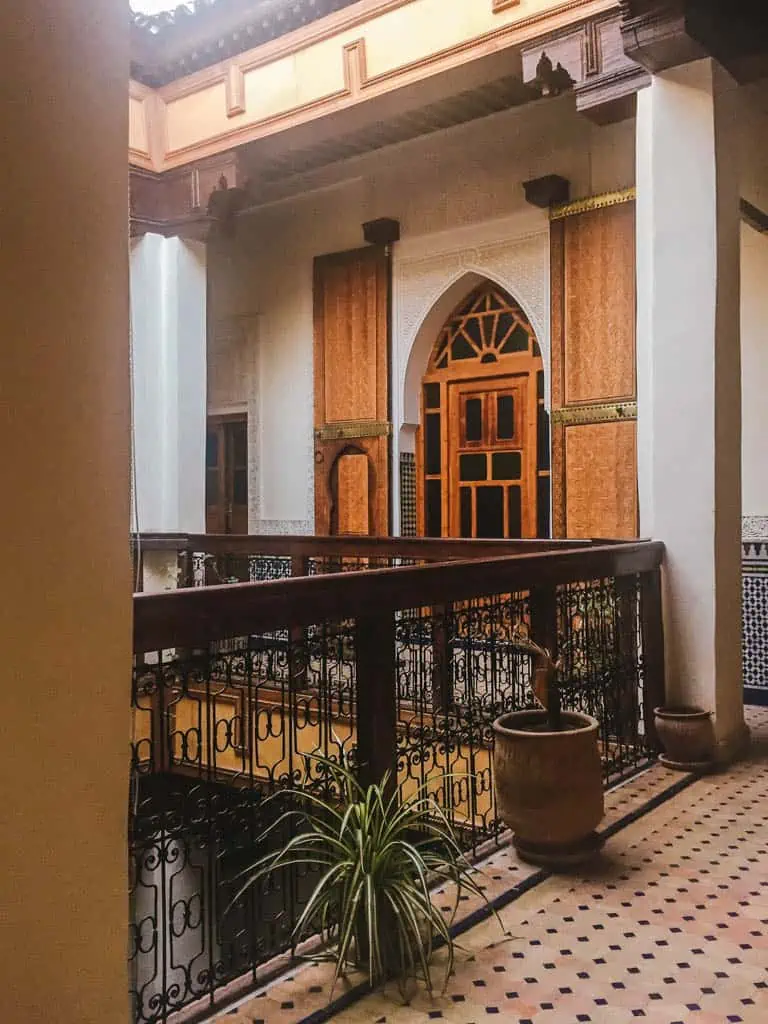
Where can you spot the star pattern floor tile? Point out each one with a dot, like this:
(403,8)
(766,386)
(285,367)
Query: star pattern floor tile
(668,926)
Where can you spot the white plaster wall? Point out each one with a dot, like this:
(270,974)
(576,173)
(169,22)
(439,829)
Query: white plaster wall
(168,354)
(459,199)
(754,372)
(754,314)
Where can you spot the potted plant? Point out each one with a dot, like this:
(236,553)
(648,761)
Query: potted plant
(377,857)
(686,734)
(548,773)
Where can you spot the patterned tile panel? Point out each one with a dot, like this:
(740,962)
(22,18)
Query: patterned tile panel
(407,494)
(754,579)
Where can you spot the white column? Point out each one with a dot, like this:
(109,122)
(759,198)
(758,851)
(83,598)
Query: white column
(65,616)
(689,393)
(168,317)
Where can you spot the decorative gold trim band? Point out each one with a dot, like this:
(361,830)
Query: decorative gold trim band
(595,413)
(592,203)
(351,429)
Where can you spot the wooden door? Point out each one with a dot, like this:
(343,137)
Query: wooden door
(483,446)
(351,392)
(226,475)
(594,394)
(492,458)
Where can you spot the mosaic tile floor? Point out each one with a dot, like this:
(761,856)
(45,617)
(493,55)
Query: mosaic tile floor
(669,925)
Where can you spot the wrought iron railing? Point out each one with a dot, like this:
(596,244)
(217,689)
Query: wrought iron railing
(401,670)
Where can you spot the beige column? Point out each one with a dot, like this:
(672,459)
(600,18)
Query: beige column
(689,427)
(65,613)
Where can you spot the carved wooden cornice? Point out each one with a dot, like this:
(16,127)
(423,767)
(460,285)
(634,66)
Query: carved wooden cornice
(604,79)
(661,34)
(191,202)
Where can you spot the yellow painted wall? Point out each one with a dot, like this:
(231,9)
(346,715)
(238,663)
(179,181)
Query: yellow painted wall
(65,613)
(301,75)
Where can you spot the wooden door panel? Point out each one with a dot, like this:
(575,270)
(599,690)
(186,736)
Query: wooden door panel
(226,475)
(350,318)
(599,300)
(601,480)
(594,461)
(491,475)
(351,391)
(352,494)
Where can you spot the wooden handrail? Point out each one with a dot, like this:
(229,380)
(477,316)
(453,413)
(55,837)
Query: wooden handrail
(427,548)
(193,617)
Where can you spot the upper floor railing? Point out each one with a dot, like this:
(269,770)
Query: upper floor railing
(170,560)
(400,669)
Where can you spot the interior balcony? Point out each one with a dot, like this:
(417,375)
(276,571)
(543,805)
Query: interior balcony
(254,654)
(394,655)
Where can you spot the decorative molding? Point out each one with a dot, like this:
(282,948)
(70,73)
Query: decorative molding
(355,67)
(503,5)
(235,91)
(517,260)
(754,528)
(349,429)
(598,202)
(599,413)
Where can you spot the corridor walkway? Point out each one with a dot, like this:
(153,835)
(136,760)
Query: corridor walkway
(669,925)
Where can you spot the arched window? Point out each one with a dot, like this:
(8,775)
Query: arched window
(486,327)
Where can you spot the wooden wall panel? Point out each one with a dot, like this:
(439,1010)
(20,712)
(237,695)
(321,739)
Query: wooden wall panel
(351,391)
(351,336)
(601,480)
(599,305)
(352,494)
(594,390)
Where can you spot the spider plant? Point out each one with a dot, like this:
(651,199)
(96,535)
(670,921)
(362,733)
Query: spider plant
(377,857)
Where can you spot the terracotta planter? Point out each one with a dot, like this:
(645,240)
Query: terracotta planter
(687,737)
(549,786)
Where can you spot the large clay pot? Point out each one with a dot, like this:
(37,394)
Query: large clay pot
(687,737)
(549,786)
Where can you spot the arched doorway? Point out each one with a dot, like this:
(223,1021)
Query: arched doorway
(484,432)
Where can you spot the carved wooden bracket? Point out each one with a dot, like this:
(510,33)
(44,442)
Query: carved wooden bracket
(661,34)
(547,190)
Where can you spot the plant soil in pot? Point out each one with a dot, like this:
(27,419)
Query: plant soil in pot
(549,785)
(687,737)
